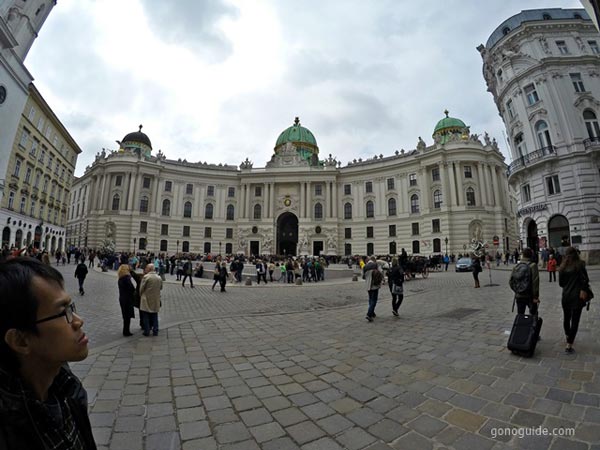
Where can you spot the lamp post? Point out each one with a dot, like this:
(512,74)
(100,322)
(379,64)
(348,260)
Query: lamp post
(446,241)
(134,241)
(177,246)
(219,247)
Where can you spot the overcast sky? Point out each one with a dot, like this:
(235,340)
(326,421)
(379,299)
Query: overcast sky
(218,80)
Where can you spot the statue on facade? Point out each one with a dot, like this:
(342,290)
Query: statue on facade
(486,138)
(495,144)
(110,230)
(241,241)
(303,244)
(267,243)
(421,144)
(331,241)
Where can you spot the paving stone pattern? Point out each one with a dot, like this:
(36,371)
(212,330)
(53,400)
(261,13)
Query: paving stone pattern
(237,374)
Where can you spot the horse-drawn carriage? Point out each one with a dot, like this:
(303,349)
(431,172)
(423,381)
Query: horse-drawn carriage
(416,265)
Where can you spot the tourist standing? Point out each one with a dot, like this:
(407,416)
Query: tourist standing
(395,282)
(126,294)
(551,265)
(150,300)
(374,279)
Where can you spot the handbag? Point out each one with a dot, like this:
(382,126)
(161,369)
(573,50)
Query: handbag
(397,289)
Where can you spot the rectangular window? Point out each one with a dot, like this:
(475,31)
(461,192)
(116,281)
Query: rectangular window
(24,138)
(118,180)
(318,189)
(40,125)
(435,226)
(31,114)
(45,187)
(34,146)
(412,179)
(146,183)
(531,94)
(42,155)
(594,46)
(553,185)
(510,110)
(468,172)
(577,82)
(38,176)
(526,193)
(11,200)
(168,186)
(189,189)
(164,229)
(17,170)
(562,47)
(435,174)
(50,161)
(28,175)
(22,207)
(369,187)
(228,233)
(390,184)
(143,227)
(231,192)
(369,232)
(207,232)
(32,208)
(392,230)
(186,231)
(415,228)
(347,233)
(258,191)
(347,189)
(210,191)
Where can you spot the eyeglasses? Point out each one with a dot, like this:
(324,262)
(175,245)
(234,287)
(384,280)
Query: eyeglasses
(67,313)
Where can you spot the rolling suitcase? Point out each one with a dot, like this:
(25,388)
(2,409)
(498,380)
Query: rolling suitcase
(524,334)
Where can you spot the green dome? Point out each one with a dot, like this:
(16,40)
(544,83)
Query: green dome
(298,135)
(448,124)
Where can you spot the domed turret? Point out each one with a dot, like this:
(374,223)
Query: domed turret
(137,142)
(446,127)
(302,138)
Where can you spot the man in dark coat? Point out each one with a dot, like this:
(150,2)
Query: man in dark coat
(81,272)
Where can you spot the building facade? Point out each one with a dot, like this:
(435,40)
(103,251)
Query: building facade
(39,175)
(20,23)
(543,70)
(431,200)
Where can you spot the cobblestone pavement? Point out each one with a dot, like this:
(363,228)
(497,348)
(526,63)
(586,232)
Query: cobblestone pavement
(282,368)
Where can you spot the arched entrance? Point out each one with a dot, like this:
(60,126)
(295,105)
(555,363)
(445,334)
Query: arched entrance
(37,237)
(532,236)
(558,231)
(19,238)
(287,234)
(6,236)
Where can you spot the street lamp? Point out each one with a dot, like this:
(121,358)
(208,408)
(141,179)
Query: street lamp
(134,241)
(219,247)
(446,241)
(177,246)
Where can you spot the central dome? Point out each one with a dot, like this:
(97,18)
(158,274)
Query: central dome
(448,125)
(137,137)
(298,135)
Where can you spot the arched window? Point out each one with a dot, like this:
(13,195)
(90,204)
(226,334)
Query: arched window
(116,202)
(414,204)
(520,144)
(470,196)
(230,212)
(208,211)
(185,247)
(505,31)
(318,211)
(392,207)
(437,199)
(591,124)
(187,209)
(370,209)
(543,134)
(144,205)
(546,16)
(166,207)
(257,212)
(347,211)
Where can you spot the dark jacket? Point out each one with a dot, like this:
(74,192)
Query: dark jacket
(573,280)
(81,270)
(126,296)
(29,424)
(396,276)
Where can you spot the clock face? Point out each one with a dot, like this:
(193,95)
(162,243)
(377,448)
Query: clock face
(287,202)
(2,94)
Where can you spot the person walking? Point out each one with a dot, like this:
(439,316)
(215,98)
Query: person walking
(551,266)
(126,294)
(530,297)
(223,276)
(374,279)
(187,273)
(271,270)
(81,272)
(216,275)
(261,272)
(395,283)
(150,300)
(574,281)
(476,268)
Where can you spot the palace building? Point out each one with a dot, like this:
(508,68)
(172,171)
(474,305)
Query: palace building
(430,200)
(543,69)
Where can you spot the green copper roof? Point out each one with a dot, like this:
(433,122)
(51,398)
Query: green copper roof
(448,124)
(297,134)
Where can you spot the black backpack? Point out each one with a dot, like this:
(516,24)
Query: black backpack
(520,280)
(377,277)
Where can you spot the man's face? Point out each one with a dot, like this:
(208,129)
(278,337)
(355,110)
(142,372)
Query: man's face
(57,341)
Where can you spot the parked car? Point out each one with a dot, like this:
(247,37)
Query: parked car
(464,265)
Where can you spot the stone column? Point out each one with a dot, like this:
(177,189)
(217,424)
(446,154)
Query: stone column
(101,196)
(490,181)
(452,184)
(267,202)
(498,196)
(247,201)
(153,201)
(444,177)
(328,200)
(272,200)
(403,193)
(334,201)
(308,199)
(302,199)
(423,183)
(382,208)
(460,193)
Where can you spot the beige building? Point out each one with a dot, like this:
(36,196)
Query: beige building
(542,67)
(430,200)
(39,174)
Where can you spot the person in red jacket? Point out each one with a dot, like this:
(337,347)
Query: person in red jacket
(551,268)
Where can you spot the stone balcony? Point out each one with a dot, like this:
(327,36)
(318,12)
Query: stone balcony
(592,143)
(531,159)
